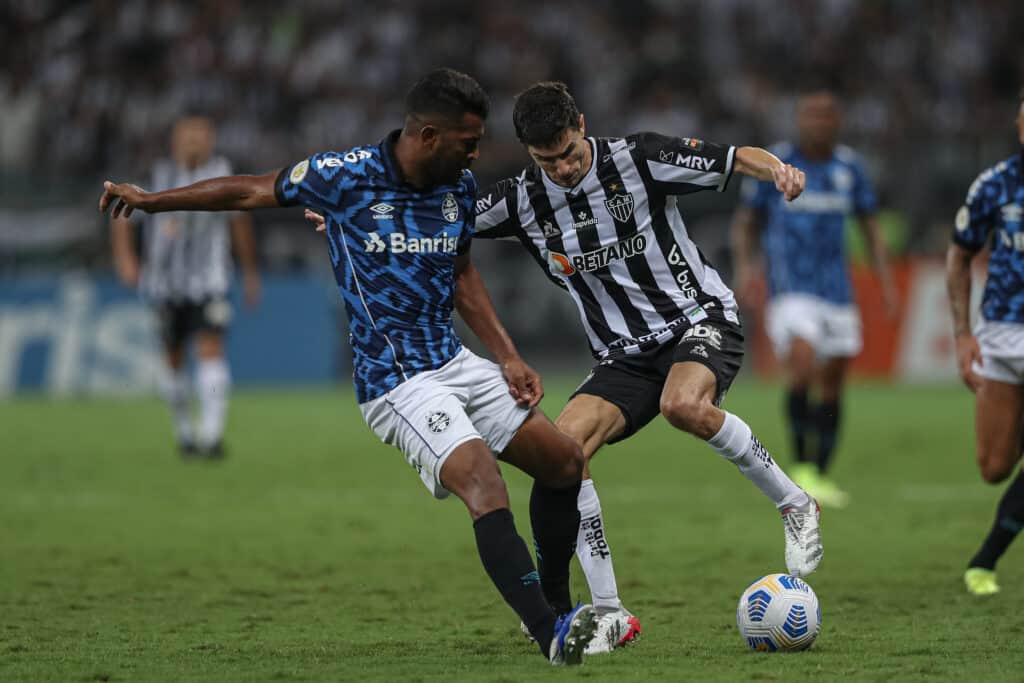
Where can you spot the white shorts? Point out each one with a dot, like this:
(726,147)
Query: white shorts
(832,330)
(428,416)
(1002,351)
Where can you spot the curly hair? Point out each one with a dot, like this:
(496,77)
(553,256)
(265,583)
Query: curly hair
(542,112)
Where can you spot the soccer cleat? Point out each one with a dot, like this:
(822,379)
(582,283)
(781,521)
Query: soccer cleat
(213,451)
(981,581)
(573,632)
(614,629)
(803,537)
(826,492)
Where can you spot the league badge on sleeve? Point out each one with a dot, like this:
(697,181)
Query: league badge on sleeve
(299,171)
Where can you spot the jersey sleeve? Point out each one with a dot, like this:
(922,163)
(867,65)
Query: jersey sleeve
(977,217)
(497,214)
(684,165)
(318,182)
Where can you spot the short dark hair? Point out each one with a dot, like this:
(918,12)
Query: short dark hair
(543,111)
(446,93)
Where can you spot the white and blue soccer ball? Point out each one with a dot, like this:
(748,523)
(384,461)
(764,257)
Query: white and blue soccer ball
(779,613)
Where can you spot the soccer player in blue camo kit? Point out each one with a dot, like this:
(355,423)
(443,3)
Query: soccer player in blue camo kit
(812,318)
(991,358)
(399,226)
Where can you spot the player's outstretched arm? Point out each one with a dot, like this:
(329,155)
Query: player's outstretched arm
(763,165)
(958,286)
(475,307)
(236,192)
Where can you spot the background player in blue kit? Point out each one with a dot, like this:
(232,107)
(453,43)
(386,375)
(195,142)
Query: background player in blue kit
(812,317)
(991,358)
(399,223)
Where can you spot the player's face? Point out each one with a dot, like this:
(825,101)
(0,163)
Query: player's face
(455,148)
(566,160)
(818,119)
(192,140)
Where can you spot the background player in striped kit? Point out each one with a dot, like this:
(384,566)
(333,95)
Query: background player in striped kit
(991,358)
(399,222)
(599,215)
(185,274)
(812,318)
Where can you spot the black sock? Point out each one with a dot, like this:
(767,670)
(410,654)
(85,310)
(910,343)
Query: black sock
(1009,521)
(507,561)
(797,409)
(827,419)
(555,519)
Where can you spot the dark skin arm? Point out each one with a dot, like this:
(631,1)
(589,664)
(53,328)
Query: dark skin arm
(958,286)
(227,193)
(474,306)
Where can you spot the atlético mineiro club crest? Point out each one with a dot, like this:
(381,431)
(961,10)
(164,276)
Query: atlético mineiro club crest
(620,206)
(450,208)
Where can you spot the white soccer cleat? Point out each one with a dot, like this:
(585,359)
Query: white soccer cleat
(614,630)
(803,537)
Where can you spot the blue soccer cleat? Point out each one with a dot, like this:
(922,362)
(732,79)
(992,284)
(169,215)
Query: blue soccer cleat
(573,632)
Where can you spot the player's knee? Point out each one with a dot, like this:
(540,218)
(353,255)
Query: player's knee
(995,470)
(570,464)
(692,414)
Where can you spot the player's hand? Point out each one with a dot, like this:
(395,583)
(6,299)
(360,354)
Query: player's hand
(125,198)
(128,273)
(524,383)
(967,353)
(789,180)
(316,219)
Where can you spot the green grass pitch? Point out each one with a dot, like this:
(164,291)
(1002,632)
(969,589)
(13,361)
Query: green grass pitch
(314,553)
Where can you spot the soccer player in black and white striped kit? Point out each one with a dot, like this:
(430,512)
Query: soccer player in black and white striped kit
(185,274)
(600,216)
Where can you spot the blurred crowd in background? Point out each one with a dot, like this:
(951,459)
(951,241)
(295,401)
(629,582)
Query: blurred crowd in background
(90,88)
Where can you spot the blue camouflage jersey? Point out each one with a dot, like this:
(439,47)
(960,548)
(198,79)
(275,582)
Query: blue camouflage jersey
(994,206)
(803,240)
(393,250)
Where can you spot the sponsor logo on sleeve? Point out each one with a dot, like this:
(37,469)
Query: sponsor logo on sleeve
(963,219)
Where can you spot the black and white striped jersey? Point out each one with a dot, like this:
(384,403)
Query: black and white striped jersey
(186,254)
(616,241)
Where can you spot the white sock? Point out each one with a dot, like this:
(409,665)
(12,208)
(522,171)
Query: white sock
(175,390)
(594,553)
(214,381)
(737,444)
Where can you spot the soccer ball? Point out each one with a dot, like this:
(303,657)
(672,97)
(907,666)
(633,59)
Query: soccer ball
(778,612)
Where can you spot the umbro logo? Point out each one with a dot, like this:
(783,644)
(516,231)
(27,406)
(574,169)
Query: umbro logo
(382,212)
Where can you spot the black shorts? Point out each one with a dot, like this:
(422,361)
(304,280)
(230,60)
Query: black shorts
(180,320)
(634,383)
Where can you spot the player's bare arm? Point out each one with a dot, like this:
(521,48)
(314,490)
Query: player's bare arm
(958,287)
(763,165)
(228,193)
(243,239)
(743,235)
(122,242)
(475,307)
(880,262)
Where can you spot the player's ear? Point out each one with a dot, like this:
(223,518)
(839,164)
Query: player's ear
(430,136)
(583,126)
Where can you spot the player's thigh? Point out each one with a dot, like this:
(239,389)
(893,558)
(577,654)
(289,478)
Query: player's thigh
(209,322)
(615,400)
(495,414)
(999,408)
(793,317)
(591,421)
(426,422)
(542,451)
(841,331)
